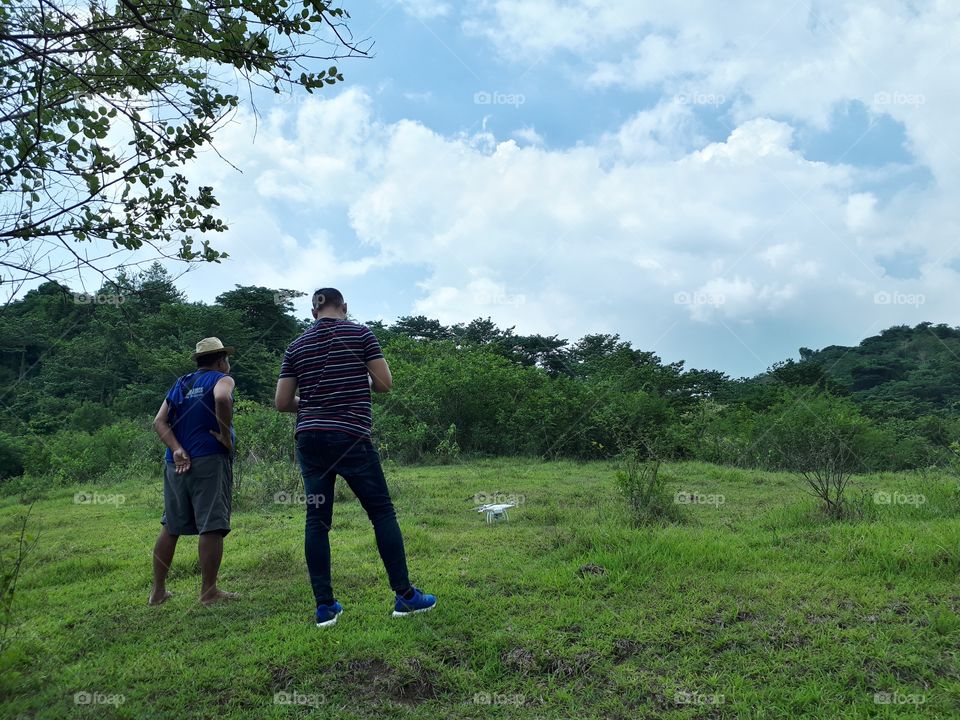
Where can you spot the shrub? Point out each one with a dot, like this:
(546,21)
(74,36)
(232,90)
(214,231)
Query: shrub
(89,417)
(641,485)
(74,456)
(404,439)
(822,439)
(267,483)
(11,457)
(447,449)
(263,434)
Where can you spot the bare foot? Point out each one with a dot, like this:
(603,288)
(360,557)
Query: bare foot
(217,595)
(159,598)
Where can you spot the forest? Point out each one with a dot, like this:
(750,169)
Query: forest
(83,373)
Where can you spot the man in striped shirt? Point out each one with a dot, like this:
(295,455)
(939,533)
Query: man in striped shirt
(326,378)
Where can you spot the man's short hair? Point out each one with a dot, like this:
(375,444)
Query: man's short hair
(210,359)
(327,297)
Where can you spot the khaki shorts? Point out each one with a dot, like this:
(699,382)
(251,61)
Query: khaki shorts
(198,501)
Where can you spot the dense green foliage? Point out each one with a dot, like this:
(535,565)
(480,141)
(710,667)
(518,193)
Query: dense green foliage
(105,102)
(902,372)
(82,371)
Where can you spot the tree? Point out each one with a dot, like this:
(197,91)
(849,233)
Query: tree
(102,103)
(821,438)
(420,327)
(267,312)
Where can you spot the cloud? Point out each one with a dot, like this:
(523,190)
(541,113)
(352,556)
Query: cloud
(529,136)
(729,253)
(744,232)
(425,9)
(794,59)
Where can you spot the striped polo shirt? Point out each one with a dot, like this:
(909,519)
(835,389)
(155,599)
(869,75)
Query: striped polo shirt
(329,362)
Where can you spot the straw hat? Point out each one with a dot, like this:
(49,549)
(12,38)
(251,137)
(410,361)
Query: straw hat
(211,345)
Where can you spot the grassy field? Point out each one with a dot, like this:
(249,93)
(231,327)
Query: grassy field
(753,607)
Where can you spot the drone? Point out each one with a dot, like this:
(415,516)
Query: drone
(495,512)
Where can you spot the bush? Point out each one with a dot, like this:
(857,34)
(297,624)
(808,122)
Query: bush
(448,450)
(74,456)
(89,417)
(821,438)
(11,457)
(404,439)
(267,483)
(263,434)
(641,485)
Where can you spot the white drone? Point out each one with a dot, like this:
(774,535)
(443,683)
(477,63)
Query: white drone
(495,512)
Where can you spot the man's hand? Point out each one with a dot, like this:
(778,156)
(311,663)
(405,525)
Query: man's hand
(224,439)
(181,461)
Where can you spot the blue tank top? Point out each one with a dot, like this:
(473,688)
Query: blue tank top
(192,414)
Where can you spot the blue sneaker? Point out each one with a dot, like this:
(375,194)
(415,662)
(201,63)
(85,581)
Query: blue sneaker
(327,614)
(418,603)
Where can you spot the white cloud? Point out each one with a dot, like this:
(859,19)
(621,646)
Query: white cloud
(667,130)
(529,136)
(425,9)
(860,210)
(795,59)
(651,211)
(521,233)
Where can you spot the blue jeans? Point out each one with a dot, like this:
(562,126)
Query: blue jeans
(324,454)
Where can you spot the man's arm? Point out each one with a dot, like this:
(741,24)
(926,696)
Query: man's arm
(161,424)
(380,376)
(223,406)
(286,398)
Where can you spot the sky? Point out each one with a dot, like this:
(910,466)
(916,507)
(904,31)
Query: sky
(720,183)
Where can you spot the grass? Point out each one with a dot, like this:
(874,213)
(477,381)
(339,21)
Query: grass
(753,607)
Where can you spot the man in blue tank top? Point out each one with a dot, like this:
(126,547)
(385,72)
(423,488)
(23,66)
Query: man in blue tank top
(195,422)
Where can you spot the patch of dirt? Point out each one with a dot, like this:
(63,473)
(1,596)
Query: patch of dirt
(899,608)
(580,665)
(741,616)
(591,569)
(375,679)
(418,687)
(519,660)
(624,649)
(280,677)
(526,663)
